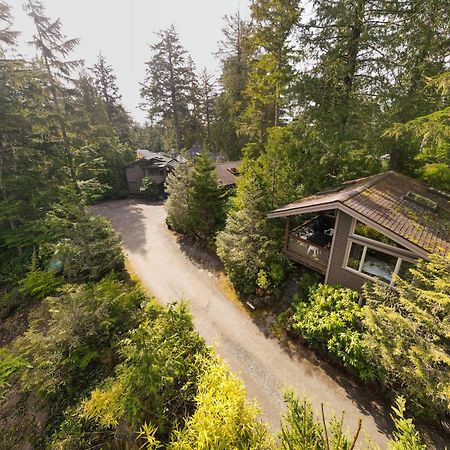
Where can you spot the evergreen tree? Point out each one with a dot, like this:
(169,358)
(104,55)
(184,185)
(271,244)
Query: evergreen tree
(205,202)
(433,132)
(271,64)
(169,91)
(207,94)
(230,103)
(178,187)
(407,334)
(105,82)
(54,47)
(7,36)
(246,246)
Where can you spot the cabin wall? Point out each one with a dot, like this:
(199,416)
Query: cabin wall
(134,174)
(337,274)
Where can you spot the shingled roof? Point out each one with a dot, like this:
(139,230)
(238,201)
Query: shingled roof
(227,172)
(384,200)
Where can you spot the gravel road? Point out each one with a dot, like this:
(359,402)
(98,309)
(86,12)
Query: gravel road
(266,367)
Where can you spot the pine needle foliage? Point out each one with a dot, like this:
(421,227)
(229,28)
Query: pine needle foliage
(407,335)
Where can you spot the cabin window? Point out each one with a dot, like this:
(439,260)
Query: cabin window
(130,169)
(363,230)
(375,264)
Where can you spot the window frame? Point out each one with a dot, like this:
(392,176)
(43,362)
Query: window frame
(365,246)
(400,253)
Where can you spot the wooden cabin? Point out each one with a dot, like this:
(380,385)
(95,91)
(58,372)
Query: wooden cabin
(366,229)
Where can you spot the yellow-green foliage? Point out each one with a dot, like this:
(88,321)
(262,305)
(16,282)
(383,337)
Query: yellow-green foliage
(9,364)
(302,431)
(405,436)
(223,419)
(407,335)
(157,380)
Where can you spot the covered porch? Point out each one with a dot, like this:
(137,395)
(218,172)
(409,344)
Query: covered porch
(309,243)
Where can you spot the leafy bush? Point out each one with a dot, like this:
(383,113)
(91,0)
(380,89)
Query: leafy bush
(301,430)
(330,319)
(40,284)
(149,189)
(405,435)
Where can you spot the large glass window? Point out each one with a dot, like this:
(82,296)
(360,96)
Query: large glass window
(377,264)
(355,256)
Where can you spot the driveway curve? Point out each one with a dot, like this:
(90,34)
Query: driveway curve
(266,368)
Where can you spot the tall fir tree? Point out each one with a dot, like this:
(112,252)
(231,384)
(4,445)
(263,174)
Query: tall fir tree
(271,64)
(170,90)
(230,102)
(205,202)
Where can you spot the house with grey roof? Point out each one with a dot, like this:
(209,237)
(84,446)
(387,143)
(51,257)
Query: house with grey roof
(366,229)
(149,164)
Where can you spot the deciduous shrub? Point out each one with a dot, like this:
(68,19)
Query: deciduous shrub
(149,189)
(330,319)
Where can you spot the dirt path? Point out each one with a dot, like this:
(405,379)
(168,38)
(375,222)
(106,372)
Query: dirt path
(266,368)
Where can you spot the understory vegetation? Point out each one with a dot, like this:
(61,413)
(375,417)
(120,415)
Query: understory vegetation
(307,100)
(398,338)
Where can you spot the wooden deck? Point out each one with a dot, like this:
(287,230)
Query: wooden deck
(302,251)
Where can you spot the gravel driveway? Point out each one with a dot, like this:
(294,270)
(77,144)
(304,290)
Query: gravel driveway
(266,368)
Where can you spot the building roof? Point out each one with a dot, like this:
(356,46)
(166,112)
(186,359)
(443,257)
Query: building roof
(385,202)
(227,172)
(154,159)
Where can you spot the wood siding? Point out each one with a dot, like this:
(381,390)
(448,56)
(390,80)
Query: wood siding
(137,172)
(337,274)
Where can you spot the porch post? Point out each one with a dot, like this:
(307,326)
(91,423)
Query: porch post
(286,234)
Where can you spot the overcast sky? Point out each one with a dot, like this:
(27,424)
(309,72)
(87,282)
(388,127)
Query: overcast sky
(123,29)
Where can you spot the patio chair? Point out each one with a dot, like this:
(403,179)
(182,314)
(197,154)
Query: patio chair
(314,251)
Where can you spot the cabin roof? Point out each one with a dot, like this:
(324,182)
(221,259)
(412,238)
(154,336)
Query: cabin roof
(153,159)
(384,200)
(227,172)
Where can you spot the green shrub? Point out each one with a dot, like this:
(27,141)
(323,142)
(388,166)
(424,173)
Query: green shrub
(405,436)
(330,319)
(157,381)
(40,284)
(9,364)
(70,341)
(149,189)
(307,281)
(407,335)
(301,429)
